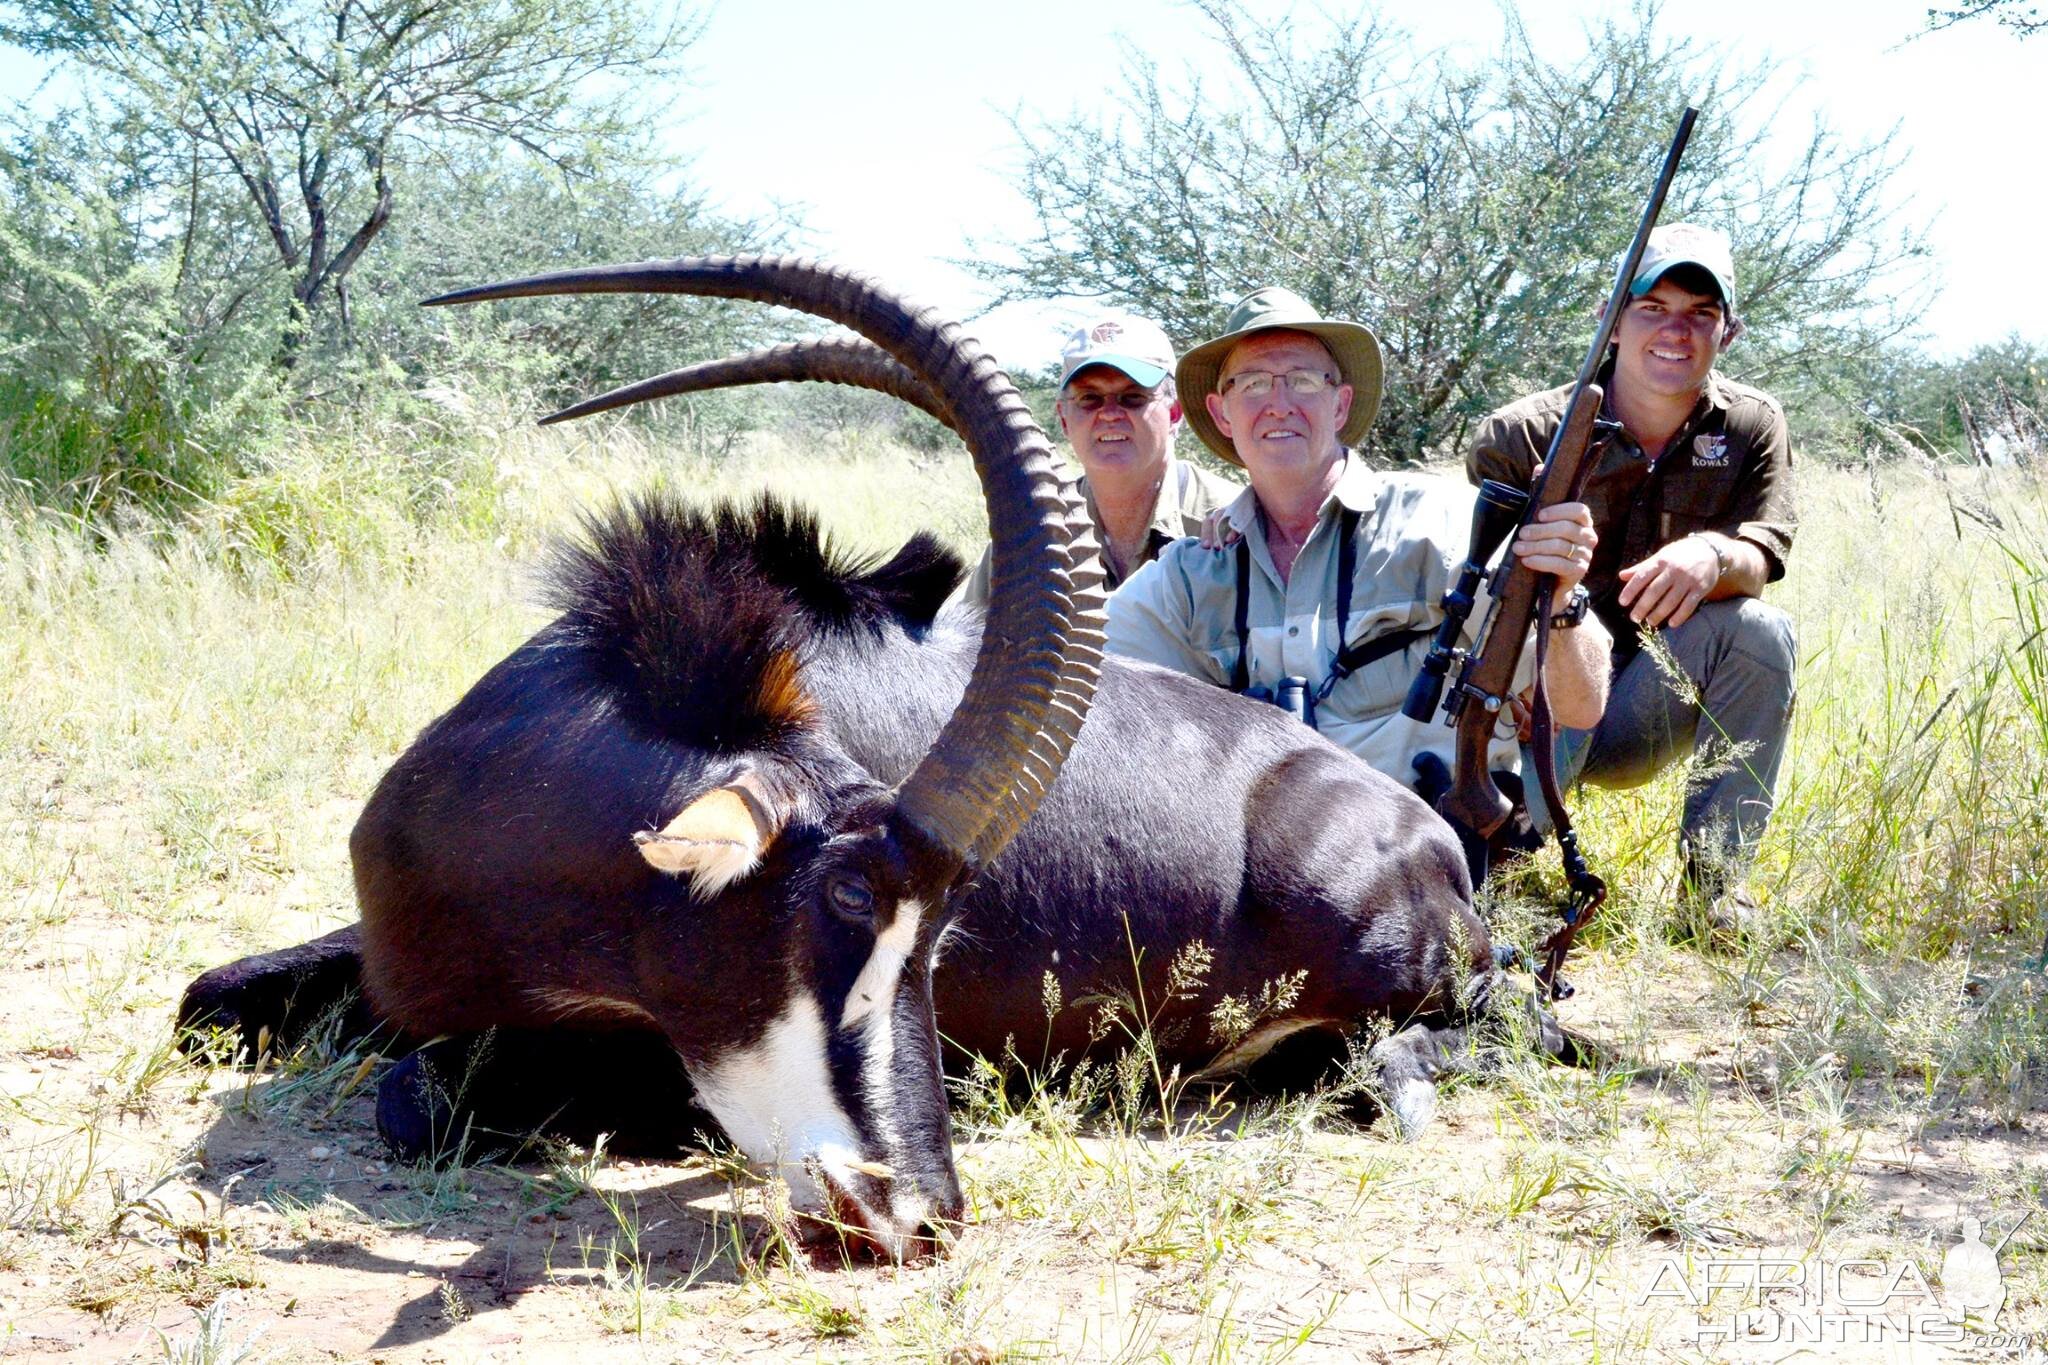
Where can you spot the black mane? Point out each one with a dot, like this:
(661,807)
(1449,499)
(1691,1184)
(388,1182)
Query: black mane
(692,618)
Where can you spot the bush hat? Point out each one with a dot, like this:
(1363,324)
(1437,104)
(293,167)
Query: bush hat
(1678,244)
(1130,345)
(1356,350)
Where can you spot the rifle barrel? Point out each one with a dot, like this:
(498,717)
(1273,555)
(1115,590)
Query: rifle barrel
(1617,298)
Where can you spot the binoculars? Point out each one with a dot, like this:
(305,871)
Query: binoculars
(1496,514)
(1290,696)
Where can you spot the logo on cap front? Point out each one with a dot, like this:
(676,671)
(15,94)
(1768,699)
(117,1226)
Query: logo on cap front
(1105,332)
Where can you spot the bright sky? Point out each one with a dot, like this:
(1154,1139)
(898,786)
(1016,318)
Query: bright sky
(887,122)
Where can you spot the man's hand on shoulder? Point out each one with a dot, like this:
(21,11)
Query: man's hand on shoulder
(1217,533)
(1668,586)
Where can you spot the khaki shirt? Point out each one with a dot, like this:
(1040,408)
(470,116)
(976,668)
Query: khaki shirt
(1186,496)
(1729,470)
(1413,531)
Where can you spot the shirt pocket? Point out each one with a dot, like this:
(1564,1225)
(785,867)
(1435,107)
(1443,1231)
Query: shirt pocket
(1692,500)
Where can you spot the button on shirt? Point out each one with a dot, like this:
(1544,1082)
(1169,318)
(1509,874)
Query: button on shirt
(1180,610)
(1728,470)
(1187,495)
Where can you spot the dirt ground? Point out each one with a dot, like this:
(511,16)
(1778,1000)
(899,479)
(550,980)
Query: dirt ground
(1533,1221)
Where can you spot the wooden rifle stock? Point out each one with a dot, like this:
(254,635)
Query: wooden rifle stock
(1520,595)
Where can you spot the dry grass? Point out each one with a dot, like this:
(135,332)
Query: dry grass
(191,714)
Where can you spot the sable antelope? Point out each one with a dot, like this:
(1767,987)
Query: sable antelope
(766,807)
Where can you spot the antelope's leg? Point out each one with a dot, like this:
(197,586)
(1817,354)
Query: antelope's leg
(278,997)
(491,1095)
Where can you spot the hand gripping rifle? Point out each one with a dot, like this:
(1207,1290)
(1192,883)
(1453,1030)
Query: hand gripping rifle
(1486,674)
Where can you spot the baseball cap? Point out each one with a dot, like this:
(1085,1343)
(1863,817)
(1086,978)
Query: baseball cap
(1687,244)
(1136,347)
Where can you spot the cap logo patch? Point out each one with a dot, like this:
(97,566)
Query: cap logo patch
(1105,332)
(1710,451)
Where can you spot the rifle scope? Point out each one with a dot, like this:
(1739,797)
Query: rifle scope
(1496,513)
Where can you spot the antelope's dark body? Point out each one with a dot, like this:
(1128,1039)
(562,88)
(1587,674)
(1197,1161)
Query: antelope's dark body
(496,857)
(1185,813)
(500,885)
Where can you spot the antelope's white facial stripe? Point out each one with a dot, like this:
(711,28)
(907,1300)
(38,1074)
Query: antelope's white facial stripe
(870,1007)
(775,1098)
(775,1101)
(874,990)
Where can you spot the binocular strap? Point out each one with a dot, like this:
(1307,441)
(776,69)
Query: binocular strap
(1350,658)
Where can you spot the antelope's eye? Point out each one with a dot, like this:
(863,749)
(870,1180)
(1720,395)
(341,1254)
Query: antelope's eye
(850,897)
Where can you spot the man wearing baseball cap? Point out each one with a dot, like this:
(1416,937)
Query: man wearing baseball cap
(1692,498)
(1335,577)
(1118,410)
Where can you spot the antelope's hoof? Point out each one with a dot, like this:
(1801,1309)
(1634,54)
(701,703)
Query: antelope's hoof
(416,1116)
(1412,1100)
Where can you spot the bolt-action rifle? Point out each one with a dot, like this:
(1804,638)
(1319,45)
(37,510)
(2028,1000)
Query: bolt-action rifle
(1521,596)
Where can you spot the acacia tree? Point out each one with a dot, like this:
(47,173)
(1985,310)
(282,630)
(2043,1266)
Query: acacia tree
(501,214)
(1471,216)
(133,330)
(308,107)
(2021,16)
(137,324)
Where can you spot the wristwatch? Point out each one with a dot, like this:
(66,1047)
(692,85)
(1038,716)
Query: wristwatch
(1720,557)
(1574,611)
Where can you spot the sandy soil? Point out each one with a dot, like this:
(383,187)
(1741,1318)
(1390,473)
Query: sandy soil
(1533,1220)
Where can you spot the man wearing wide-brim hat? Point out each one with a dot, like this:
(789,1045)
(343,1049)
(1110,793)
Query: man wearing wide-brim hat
(1338,571)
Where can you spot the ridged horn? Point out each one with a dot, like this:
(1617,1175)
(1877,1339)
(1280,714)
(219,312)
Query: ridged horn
(1080,668)
(825,360)
(1003,743)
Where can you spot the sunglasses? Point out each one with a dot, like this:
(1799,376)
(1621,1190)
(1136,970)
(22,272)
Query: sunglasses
(1130,400)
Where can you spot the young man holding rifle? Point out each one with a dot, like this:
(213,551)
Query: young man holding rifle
(1691,493)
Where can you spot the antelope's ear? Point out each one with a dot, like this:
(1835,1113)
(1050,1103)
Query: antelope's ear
(716,839)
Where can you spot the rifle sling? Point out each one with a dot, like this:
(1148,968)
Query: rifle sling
(1587,890)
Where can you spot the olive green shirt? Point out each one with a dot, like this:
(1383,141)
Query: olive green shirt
(1187,495)
(1729,470)
(1413,531)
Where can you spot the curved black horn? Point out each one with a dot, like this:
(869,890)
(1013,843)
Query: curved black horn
(1079,672)
(1033,678)
(826,360)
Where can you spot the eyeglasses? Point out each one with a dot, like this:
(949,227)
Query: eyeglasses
(1130,400)
(1259,383)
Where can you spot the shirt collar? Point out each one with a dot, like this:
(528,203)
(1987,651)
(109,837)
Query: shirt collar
(1718,395)
(1357,490)
(1165,504)
(1358,487)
